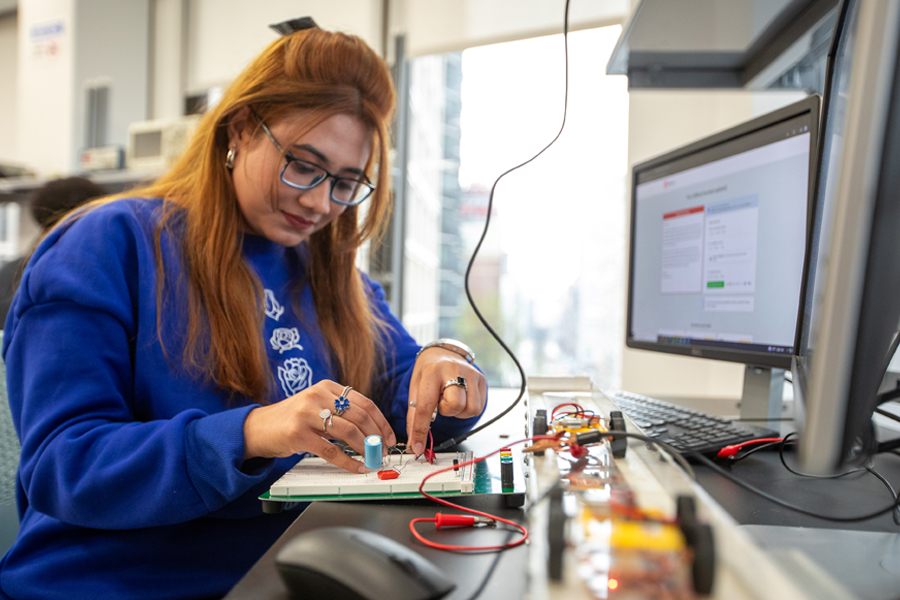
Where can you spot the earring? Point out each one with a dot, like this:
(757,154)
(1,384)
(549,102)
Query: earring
(229,158)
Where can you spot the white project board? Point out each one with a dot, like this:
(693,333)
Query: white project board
(317,477)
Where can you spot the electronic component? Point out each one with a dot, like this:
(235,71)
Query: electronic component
(507,482)
(373,452)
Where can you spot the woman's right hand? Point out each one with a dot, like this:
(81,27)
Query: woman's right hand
(294,425)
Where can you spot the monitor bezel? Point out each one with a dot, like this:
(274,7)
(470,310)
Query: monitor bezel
(810,104)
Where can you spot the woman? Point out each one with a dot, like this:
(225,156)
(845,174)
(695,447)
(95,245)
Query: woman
(169,354)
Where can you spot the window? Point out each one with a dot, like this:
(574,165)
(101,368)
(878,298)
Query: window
(549,277)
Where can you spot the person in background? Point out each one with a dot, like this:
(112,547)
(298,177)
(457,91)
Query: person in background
(172,353)
(48,205)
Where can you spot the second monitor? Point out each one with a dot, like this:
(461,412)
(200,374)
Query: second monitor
(718,238)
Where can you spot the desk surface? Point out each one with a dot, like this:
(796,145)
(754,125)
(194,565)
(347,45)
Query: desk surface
(391,518)
(855,494)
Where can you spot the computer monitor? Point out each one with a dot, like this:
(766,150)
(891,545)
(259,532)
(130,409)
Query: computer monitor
(851,304)
(718,238)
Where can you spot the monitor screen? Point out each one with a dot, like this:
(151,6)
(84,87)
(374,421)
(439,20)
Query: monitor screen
(718,238)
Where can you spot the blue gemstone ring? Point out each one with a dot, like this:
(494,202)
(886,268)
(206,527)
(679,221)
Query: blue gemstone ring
(342,403)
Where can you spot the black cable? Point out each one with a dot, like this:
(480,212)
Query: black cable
(453,441)
(784,443)
(896,512)
(490,571)
(888,396)
(595,436)
(492,568)
(788,505)
(887,414)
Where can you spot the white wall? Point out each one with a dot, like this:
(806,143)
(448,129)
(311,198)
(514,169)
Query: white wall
(45,120)
(224,35)
(168,73)
(659,121)
(434,26)
(9,57)
(111,48)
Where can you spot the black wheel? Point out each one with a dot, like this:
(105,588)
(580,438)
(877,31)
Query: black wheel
(686,513)
(556,535)
(619,444)
(539,425)
(703,567)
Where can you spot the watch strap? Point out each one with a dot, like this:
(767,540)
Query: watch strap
(451,345)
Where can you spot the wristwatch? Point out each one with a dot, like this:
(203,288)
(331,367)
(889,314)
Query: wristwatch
(451,345)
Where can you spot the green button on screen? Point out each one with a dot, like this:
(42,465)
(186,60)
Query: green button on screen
(715,284)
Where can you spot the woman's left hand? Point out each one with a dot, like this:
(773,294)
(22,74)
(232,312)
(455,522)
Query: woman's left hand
(434,368)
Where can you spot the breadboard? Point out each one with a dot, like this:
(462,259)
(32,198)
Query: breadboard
(315,478)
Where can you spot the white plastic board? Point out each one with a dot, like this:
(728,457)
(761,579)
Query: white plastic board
(316,477)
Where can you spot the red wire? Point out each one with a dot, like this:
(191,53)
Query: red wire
(729,451)
(578,406)
(427,542)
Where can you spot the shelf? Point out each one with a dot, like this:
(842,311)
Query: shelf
(19,189)
(754,44)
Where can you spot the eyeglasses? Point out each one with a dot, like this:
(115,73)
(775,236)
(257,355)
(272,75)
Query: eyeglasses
(304,175)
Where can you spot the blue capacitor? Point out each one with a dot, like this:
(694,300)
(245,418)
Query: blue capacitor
(373,452)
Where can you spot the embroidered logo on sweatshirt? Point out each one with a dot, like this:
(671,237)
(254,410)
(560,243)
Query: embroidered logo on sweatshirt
(284,339)
(294,376)
(273,309)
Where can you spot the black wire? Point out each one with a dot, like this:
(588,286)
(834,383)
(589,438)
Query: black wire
(887,414)
(487,222)
(798,509)
(490,571)
(888,396)
(784,443)
(896,512)
(670,450)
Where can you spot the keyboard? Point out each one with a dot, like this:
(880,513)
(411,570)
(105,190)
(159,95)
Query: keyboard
(684,429)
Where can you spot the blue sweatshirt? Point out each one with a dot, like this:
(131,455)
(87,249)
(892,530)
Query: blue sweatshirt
(132,482)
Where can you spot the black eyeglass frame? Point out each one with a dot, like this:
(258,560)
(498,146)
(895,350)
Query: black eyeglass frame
(289,158)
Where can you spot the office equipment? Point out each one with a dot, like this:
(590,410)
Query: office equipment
(317,479)
(355,564)
(153,145)
(718,231)
(685,429)
(851,306)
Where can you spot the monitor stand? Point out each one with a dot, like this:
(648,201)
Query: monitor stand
(763,396)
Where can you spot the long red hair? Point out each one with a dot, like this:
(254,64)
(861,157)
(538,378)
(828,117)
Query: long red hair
(322,74)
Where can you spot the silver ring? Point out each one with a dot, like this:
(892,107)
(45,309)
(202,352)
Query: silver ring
(342,403)
(326,419)
(460,381)
(413,404)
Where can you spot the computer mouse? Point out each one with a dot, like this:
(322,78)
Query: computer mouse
(354,564)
